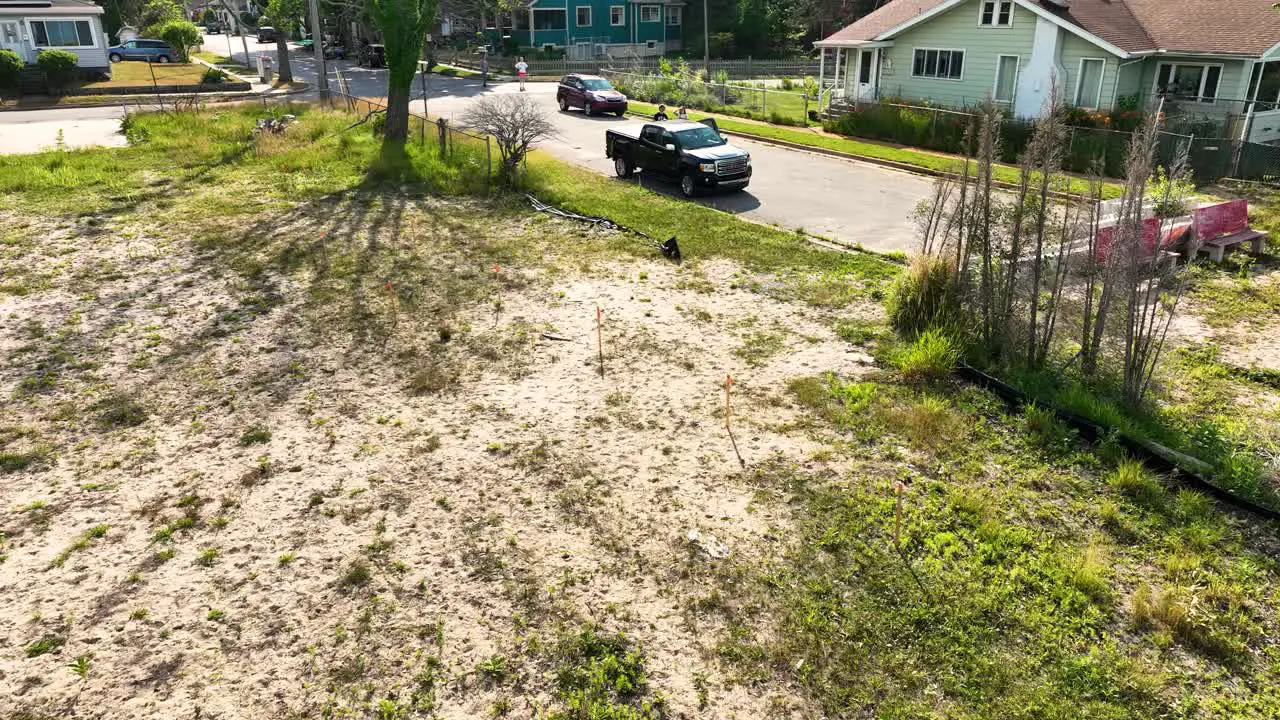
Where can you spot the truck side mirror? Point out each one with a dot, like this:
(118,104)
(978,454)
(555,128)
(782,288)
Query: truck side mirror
(671,147)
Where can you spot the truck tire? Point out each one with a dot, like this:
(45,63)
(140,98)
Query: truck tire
(622,167)
(588,109)
(564,104)
(688,187)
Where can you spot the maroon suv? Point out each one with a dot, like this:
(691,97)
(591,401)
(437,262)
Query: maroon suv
(591,93)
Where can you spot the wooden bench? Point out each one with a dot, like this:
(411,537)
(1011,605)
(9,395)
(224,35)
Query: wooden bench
(1222,226)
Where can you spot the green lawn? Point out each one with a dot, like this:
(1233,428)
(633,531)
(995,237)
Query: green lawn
(131,74)
(919,158)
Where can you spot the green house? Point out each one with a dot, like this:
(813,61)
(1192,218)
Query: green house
(1209,58)
(587,29)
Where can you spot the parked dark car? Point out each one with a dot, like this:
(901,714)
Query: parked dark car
(373,56)
(591,93)
(213,28)
(694,153)
(140,49)
(335,52)
(267,34)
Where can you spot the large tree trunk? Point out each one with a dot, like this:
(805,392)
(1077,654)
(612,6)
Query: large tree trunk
(397,113)
(285,72)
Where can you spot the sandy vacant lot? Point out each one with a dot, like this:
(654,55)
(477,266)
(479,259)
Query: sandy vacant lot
(287,507)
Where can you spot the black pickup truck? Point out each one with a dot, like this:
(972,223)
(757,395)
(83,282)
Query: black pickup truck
(692,152)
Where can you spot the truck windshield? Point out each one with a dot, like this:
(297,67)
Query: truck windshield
(597,84)
(697,138)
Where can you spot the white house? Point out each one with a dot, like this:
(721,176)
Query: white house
(29,26)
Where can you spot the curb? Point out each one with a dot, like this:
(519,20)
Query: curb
(248,96)
(228,72)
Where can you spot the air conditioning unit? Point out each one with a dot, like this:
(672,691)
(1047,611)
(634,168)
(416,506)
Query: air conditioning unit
(601,49)
(548,47)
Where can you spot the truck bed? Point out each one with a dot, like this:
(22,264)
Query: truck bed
(629,130)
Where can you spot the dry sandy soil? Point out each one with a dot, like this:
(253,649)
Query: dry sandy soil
(312,490)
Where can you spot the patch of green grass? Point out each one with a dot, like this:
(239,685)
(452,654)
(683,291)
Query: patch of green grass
(993,597)
(924,159)
(207,557)
(602,676)
(119,411)
(932,355)
(94,533)
(16,460)
(759,347)
(1228,302)
(705,232)
(216,615)
(357,575)
(46,644)
(256,434)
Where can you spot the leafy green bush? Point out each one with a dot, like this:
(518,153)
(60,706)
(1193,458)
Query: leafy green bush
(182,35)
(932,355)
(10,71)
(924,296)
(59,68)
(213,76)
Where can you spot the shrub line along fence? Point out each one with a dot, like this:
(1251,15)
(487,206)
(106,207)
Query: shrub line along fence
(943,129)
(747,68)
(760,103)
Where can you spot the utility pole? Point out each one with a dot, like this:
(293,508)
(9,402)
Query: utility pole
(706,40)
(317,44)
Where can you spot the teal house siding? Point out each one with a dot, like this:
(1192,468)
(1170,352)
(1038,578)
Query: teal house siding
(608,22)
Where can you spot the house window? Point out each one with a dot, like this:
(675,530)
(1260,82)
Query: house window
(584,16)
(617,15)
(1006,78)
(941,64)
(62,33)
(675,15)
(649,13)
(1089,83)
(1189,82)
(549,19)
(996,13)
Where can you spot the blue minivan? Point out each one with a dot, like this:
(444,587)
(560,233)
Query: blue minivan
(148,50)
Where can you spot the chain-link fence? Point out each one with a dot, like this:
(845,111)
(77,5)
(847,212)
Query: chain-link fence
(770,102)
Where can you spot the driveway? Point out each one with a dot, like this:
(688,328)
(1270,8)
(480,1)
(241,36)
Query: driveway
(26,131)
(843,200)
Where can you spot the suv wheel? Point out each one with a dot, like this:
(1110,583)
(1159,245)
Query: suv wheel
(688,187)
(564,104)
(162,59)
(588,108)
(114,57)
(622,167)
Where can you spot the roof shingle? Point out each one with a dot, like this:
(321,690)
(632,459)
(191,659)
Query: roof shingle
(1226,27)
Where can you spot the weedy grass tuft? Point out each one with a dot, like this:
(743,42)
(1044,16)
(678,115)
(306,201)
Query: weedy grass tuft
(932,355)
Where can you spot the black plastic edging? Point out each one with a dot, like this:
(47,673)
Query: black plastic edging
(1149,451)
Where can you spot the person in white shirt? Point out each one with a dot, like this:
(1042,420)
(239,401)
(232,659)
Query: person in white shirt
(682,114)
(522,69)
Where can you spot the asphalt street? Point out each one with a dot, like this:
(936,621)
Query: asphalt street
(844,200)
